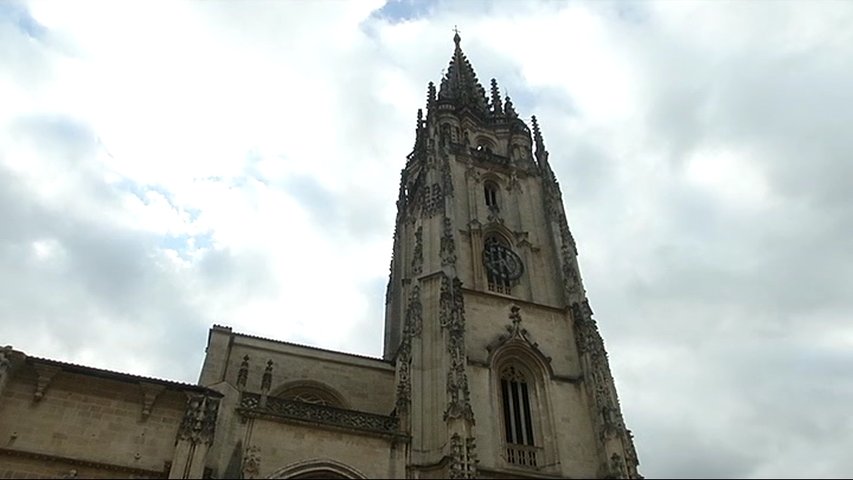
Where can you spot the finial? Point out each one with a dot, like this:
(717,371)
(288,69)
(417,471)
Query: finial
(430,95)
(509,108)
(266,379)
(497,108)
(456,38)
(537,135)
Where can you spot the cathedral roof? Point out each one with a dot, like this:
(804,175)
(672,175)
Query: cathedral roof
(460,85)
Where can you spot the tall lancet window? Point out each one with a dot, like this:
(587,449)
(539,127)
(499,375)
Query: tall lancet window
(491,192)
(503,266)
(518,417)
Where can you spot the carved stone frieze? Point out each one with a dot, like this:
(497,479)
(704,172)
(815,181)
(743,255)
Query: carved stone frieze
(199,422)
(250,404)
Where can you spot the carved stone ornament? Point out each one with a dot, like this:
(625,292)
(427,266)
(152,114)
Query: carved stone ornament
(252,462)
(199,422)
(411,329)
(608,420)
(150,392)
(7,364)
(617,467)
(452,319)
(463,457)
(448,246)
(418,254)
(445,176)
(516,333)
(514,183)
(266,380)
(494,215)
(243,373)
(433,201)
(45,374)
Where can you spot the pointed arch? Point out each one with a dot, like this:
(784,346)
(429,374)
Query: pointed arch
(521,350)
(311,391)
(499,229)
(520,373)
(317,468)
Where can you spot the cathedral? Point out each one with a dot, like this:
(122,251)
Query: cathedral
(493,366)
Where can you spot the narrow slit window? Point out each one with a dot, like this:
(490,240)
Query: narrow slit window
(491,192)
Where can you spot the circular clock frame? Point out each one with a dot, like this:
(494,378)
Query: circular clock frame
(501,261)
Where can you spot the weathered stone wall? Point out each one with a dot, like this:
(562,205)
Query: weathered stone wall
(567,445)
(283,445)
(86,422)
(365,384)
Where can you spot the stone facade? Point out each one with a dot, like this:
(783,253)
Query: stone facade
(493,366)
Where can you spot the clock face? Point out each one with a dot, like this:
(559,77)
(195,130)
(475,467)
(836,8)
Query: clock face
(501,261)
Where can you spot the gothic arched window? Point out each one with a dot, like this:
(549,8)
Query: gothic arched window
(515,395)
(503,266)
(517,398)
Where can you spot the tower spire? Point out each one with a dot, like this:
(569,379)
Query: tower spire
(542,154)
(460,86)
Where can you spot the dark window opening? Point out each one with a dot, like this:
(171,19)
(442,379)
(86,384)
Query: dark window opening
(518,419)
(491,192)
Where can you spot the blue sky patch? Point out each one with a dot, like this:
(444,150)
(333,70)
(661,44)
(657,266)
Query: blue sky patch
(18,14)
(397,11)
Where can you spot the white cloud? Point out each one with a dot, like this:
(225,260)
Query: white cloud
(177,164)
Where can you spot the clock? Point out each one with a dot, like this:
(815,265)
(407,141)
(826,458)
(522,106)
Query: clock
(501,261)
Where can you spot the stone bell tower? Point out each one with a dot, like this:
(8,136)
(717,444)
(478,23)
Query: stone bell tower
(500,369)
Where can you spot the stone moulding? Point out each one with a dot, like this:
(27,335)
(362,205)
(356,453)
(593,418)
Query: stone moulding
(47,459)
(250,405)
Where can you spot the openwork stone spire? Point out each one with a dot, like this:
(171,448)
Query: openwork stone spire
(460,86)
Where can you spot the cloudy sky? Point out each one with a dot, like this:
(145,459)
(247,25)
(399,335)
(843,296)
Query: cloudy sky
(165,166)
